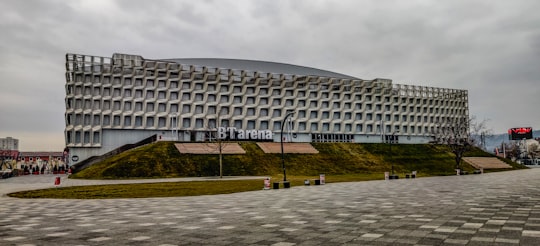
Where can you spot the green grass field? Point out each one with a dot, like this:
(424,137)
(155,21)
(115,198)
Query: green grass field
(174,189)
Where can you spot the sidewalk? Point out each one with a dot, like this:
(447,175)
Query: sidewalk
(500,208)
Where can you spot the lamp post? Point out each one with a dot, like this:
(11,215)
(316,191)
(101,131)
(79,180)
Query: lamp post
(393,176)
(282,152)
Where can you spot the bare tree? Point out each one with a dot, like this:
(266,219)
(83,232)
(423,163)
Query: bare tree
(534,150)
(512,150)
(460,135)
(212,137)
(479,131)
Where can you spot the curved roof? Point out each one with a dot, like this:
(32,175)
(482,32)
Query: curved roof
(259,66)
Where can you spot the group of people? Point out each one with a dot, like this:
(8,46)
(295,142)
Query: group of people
(36,169)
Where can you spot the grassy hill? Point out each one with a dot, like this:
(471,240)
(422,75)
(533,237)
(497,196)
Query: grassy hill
(161,159)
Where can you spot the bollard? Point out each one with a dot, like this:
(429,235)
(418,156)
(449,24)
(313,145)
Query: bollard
(266,184)
(286,184)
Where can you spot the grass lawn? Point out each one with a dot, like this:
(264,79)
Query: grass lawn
(176,189)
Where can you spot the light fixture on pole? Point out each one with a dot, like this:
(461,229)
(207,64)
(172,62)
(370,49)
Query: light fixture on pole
(282,152)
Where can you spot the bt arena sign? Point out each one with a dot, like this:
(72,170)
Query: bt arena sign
(238,134)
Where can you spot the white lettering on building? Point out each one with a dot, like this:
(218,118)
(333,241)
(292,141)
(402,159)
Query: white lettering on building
(238,134)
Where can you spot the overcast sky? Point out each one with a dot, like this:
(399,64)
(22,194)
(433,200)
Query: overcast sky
(490,48)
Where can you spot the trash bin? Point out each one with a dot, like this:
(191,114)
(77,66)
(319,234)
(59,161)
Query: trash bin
(306,182)
(286,184)
(275,185)
(317,182)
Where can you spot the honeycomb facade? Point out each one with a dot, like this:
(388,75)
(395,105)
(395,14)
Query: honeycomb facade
(120,100)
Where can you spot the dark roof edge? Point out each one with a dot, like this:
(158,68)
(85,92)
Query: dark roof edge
(258,66)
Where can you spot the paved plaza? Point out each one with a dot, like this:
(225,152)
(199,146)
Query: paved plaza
(489,209)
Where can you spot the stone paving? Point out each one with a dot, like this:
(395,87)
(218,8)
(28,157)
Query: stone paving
(489,209)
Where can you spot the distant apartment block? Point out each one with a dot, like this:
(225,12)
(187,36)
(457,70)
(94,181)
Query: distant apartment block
(9,143)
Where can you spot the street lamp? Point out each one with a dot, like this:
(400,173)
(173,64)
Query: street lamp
(393,176)
(282,152)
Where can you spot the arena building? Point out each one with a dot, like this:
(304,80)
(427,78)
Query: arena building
(112,102)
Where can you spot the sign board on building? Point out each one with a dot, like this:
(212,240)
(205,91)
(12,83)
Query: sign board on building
(520,133)
(231,133)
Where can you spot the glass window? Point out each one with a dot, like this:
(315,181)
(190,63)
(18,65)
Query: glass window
(238,124)
(116,120)
(314,127)
(186,108)
(97,120)
(149,107)
(96,138)
(325,127)
(224,99)
(238,111)
(337,127)
(186,122)
(106,120)
(277,126)
(127,121)
(264,125)
(127,106)
(302,126)
(359,127)
(302,114)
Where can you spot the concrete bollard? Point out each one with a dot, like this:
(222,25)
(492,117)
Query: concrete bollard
(266,184)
